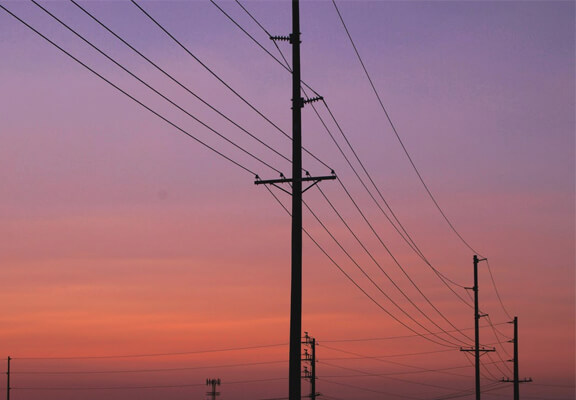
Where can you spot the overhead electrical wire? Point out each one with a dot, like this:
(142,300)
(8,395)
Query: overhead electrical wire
(386,376)
(395,261)
(127,94)
(177,353)
(153,370)
(72,388)
(400,364)
(368,389)
(397,134)
(155,90)
(378,286)
(171,77)
(496,290)
(372,299)
(389,337)
(221,80)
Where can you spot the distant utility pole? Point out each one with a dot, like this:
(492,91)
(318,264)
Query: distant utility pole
(8,380)
(310,357)
(477,317)
(213,393)
(298,102)
(516,379)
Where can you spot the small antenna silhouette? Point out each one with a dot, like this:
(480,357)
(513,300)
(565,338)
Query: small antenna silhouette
(213,393)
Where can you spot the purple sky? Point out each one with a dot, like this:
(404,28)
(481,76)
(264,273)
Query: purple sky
(120,235)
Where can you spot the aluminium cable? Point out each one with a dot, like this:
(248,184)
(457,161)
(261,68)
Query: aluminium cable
(398,135)
(388,276)
(496,290)
(408,239)
(385,361)
(127,94)
(372,299)
(146,387)
(369,390)
(385,376)
(171,77)
(222,81)
(396,262)
(378,286)
(153,89)
(286,63)
(155,370)
(178,353)
(390,337)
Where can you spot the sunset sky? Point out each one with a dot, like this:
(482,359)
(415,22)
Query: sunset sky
(136,263)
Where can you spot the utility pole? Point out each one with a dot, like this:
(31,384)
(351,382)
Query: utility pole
(477,317)
(213,393)
(8,380)
(294,376)
(516,380)
(310,357)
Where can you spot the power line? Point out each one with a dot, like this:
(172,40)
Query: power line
(145,387)
(368,390)
(171,77)
(387,376)
(353,281)
(221,80)
(418,369)
(286,63)
(397,134)
(156,91)
(389,337)
(126,371)
(127,94)
(396,262)
(496,290)
(180,353)
(378,286)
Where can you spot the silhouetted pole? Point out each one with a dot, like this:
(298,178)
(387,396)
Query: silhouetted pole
(516,380)
(8,380)
(294,391)
(295,352)
(476,328)
(477,317)
(213,382)
(313,368)
(310,358)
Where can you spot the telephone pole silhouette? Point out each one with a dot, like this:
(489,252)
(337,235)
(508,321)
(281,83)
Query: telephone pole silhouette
(295,366)
(477,317)
(213,393)
(8,380)
(516,379)
(310,357)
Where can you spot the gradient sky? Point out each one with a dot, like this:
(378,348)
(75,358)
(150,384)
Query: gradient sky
(122,236)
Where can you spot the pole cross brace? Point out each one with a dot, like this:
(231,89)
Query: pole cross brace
(274,182)
(484,349)
(508,380)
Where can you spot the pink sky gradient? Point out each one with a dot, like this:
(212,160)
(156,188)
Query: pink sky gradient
(122,236)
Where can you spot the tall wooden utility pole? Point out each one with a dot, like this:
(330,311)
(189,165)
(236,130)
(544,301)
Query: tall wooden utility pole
(477,317)
(294,376)
(516,380)
(8,380)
